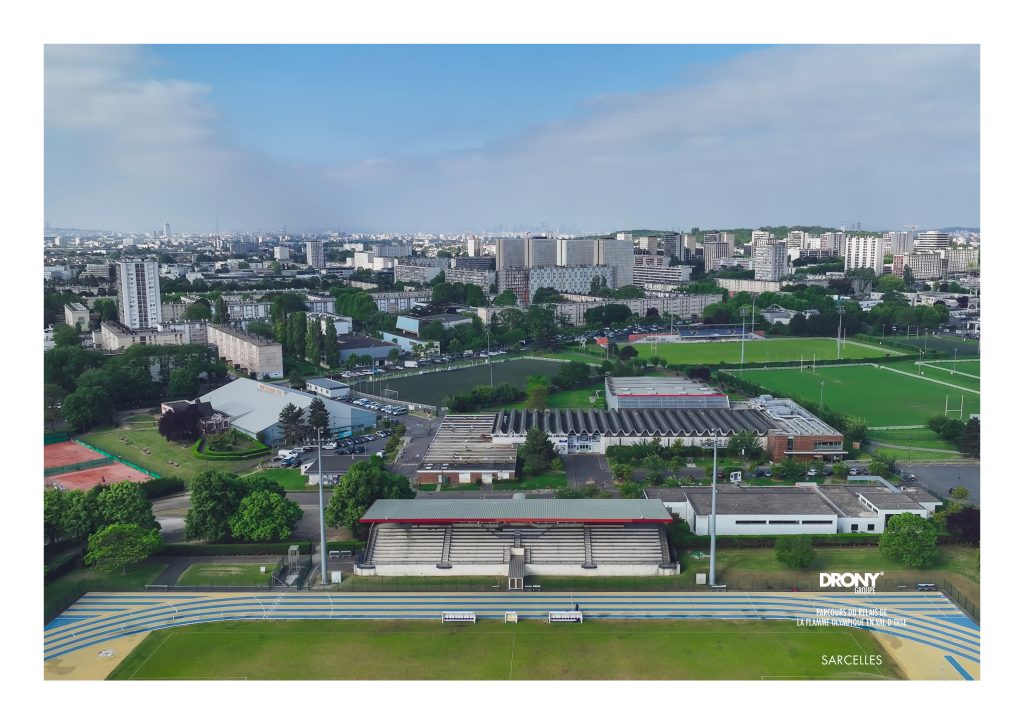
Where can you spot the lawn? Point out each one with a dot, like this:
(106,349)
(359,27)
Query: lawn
(882,397)
(916,437)
(161,452)
(430,388)
(289,478)
(768,350)
(61,593)
(491,650)
(942,372)
(565,399)
(226,574)
(746,568)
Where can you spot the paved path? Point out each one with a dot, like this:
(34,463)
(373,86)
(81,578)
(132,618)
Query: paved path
(925,618)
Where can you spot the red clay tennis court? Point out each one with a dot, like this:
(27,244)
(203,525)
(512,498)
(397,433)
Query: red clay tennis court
(66,453)
(106,474)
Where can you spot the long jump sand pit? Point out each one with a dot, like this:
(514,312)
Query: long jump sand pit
(67,453)
(103,475)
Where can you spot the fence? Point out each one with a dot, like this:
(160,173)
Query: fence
(75,467)
(51,437)
(119,459)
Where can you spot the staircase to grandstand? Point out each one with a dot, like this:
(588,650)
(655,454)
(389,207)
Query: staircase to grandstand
(451,546)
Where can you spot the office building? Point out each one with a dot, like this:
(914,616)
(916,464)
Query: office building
(617,254)
(961,261)
(474,247)
(578,252)
(672,245)
(897,242)
(771,261)
(167,230)
(833,240)
(715,237)
(510,253)
(315,255)
(922,266)
(864,252)
(138,294)
(541,251)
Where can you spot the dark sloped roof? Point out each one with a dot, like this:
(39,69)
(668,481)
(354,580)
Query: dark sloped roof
(632,422)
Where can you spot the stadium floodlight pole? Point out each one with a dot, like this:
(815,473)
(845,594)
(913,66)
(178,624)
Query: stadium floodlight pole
(323,533)
(490,367)
(743,334)
(714,505)
(839,330)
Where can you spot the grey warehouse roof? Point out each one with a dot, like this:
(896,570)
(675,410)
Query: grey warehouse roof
(529,510)
(633,422)
(326,383)
(737,500)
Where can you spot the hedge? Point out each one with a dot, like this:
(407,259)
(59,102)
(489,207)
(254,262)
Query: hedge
(257,453)
(61,566)
(160,487)
(235,549)
(837,540)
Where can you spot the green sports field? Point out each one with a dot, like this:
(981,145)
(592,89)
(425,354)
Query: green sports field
(765,350)
(491,650)
(965,375)
(882,397)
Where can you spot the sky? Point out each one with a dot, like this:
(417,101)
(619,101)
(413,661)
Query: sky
(463,138)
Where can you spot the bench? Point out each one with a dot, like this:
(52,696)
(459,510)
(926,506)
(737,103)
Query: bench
(458,617)
(927,587)
(717,587)
(565,616)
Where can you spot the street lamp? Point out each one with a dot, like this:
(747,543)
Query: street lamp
(323,533)
(821,396)
(714,503)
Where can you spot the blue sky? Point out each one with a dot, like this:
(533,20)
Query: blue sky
(466,138)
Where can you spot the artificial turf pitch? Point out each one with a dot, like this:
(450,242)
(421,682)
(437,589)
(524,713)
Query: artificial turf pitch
(765,350)
(492,650)
(880,396)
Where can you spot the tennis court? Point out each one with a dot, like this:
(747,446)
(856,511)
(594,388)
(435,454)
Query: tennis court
(102,475)
(60,454)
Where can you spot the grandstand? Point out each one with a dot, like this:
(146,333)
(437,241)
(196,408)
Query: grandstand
(516,538)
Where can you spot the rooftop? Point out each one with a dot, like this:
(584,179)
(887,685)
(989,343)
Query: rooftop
(516,510)
(240,334)
(758,500)
(669,422)
(789,417)
(661,386)
(465,442)
(326,383)
(355,341)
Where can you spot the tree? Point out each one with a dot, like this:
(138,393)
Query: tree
(297,334)
(314,340)
(572,375)
(220,310)
(264,516)
(394,355)
(537,393)
(120,545)
(363,483)
(880,466)
(959,493)
(910,540)
(127,503)
(198,311)
(319,418)
(744,443)
(622,472)
(54,514)
(87,407)
(81,513)
(214,498)
(506,299)
(965,525)
(789,469)
(65,336)
(537,451)
(970,439)
(329,343)
(291,420)
(794,551)
(856,428)
(184,383)
(260,329)
(840,470)
(53,400)
(180,425)
(296,380)
(627,352)
(631,490)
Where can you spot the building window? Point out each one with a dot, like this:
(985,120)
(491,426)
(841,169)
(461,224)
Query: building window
(871,526)
(789,443)
(855,528)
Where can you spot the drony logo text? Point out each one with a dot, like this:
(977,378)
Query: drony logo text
(859,582)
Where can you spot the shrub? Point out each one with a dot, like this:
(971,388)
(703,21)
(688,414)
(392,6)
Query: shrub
(235,549)
(794,551)
(161,487)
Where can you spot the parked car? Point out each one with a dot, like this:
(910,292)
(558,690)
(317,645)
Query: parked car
(358,449)
(330,445)
(812,472)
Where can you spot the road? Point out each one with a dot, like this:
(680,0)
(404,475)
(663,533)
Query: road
(940,477)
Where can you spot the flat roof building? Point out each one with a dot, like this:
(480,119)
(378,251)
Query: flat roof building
(328,388)
(354,344)
(255,355)
(463,451)
(661,392)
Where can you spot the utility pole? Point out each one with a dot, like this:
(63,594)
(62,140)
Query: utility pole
(839,330)
(714,505)
(323,533)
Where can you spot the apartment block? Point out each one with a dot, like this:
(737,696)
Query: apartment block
(255,355)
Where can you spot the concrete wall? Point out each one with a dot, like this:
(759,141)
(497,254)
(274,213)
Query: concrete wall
(501,569)
(727,525)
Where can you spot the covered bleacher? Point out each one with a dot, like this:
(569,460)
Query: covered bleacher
(516,538)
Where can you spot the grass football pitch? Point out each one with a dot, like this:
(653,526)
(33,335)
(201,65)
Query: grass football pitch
(882,397)
(767,350)
(491,650)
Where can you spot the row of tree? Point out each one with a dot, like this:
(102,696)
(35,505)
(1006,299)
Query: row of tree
(225,507)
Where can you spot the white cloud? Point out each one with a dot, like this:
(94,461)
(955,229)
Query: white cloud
(881,134)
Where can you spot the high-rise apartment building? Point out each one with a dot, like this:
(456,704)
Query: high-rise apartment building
(715,237)
(771,261)
(138,294)
(315,255)
(960,261)
(715,250)
(833,240)
(282,253)
(864,252)
(931,241)
(474,247)
(897,242)
(510,253)
(618,254)
(541,251)
(577,252)
(672,245)
(167,230)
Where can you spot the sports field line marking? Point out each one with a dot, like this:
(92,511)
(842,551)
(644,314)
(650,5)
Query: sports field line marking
(929,379)
(143,664)
(850,634)
(512,658)
(949,369)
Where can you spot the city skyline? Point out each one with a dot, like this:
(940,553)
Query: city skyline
(468,138)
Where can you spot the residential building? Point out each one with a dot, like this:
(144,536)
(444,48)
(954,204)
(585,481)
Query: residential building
(655,270)
(474,247)
(475,263)
(479,277)
(255,356)
(415,325)
(282,253)
(76,314)
(864,252)
(679,306)
(672,246)
(138,294)
(342,324)
(897,242)
(715,237)
(931,241)
(771,261)
(98,271)
(744,263)
(922,266)
(114,336)
(577,252)
(394,302)
(392,250)
(329,388)
(569,279)
(419,270)
(690,246)
(510,253)
(541,251)
(617,254)
(962,260)
(254,409)
(315,258)
(754,286)
(832,240)
(715,250)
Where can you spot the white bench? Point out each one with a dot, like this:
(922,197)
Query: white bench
(565,616)
(458,617)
